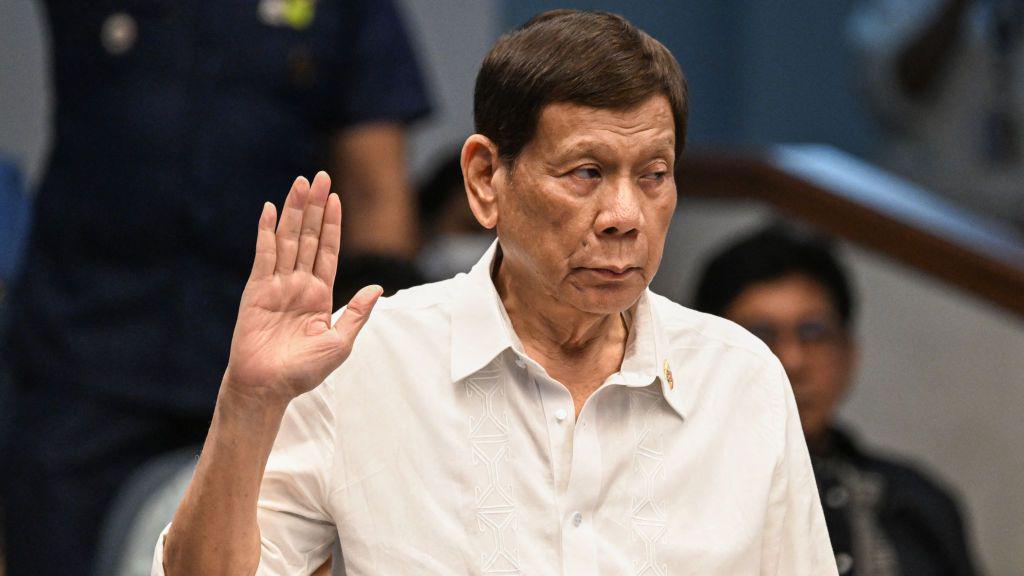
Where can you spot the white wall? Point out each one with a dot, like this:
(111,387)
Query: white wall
(941,380)
(454,36)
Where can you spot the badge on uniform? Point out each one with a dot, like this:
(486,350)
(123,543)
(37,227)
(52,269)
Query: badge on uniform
(295,14)
(668,375)
(118,33)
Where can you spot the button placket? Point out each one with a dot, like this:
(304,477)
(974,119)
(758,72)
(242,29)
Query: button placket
(579,545)
(553,399)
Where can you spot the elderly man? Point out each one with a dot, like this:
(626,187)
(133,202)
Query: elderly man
(543,414)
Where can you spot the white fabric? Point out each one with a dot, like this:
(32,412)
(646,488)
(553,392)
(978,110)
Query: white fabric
(940,141)
(439,447)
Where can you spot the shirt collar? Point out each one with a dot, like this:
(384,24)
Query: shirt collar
(647,355)
(481,331)
(480,328)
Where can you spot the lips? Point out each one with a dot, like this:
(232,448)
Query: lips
(610,272)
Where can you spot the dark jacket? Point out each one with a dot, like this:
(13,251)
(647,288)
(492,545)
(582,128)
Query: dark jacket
(886,517)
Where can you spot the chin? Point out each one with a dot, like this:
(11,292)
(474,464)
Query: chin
(607,299)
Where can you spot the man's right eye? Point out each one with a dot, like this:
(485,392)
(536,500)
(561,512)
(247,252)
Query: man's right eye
(586,173)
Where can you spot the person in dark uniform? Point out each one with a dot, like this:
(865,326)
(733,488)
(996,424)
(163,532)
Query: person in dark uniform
(885,517)
(169,114)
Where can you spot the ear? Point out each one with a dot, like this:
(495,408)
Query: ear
(481,171)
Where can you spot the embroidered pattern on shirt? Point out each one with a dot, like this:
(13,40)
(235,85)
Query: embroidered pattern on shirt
(495,508)
(648,518)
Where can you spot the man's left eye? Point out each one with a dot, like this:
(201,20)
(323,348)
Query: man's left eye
(656,176)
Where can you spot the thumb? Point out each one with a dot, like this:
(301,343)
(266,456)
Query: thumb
(357,313)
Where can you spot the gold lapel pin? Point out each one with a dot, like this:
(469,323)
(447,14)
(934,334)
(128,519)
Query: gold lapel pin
(668,376)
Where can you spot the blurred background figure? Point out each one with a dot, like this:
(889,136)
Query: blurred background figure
(15,209)
(453,239)
(167,116)
(885,517)
(945,80)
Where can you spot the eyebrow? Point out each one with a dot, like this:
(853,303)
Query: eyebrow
(596,148)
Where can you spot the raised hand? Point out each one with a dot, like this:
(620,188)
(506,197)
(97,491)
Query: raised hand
(284,343)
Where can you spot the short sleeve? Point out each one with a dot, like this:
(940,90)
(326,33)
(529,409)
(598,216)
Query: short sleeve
(296,530)
(381,79)
(796,540)
(296,527)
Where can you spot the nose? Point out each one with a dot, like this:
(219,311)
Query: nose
(620,213)
(793,358)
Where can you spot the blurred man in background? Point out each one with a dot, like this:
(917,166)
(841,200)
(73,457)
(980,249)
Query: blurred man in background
(885,518)
(168,116)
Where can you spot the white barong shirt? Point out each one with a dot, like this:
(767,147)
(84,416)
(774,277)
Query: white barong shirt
(439,447)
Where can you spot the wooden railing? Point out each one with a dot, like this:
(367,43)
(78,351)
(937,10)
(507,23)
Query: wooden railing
(853,200)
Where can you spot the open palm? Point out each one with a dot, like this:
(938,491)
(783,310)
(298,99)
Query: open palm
(284,343)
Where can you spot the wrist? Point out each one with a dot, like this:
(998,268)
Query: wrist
(248,403)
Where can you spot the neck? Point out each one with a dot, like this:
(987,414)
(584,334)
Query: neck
(553,331)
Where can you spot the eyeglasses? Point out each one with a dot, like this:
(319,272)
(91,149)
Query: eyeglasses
(808,334)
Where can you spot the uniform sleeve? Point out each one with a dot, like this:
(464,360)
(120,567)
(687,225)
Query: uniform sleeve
(381,78)
(796,541)
(296,529)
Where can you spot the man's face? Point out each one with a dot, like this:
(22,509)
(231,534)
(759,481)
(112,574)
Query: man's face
(583,215)
(796,318)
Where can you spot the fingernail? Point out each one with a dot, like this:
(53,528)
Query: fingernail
(370,292)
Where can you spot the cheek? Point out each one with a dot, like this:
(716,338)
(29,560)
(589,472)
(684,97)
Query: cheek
(538,227)
(664,210)
(548,220)
(658,219)
(829,379)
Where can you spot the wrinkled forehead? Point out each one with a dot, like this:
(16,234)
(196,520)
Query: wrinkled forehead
(567,126)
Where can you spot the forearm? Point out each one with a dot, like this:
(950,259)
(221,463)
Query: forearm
(214,529)
(284,344)
(370,163)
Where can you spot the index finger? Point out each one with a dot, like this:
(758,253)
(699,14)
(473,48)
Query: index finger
(266,248)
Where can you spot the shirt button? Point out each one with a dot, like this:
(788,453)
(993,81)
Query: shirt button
(520,363)
(561,414)
(577,518)
(844,562)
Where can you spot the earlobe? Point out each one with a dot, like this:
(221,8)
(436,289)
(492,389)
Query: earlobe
(480,171)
